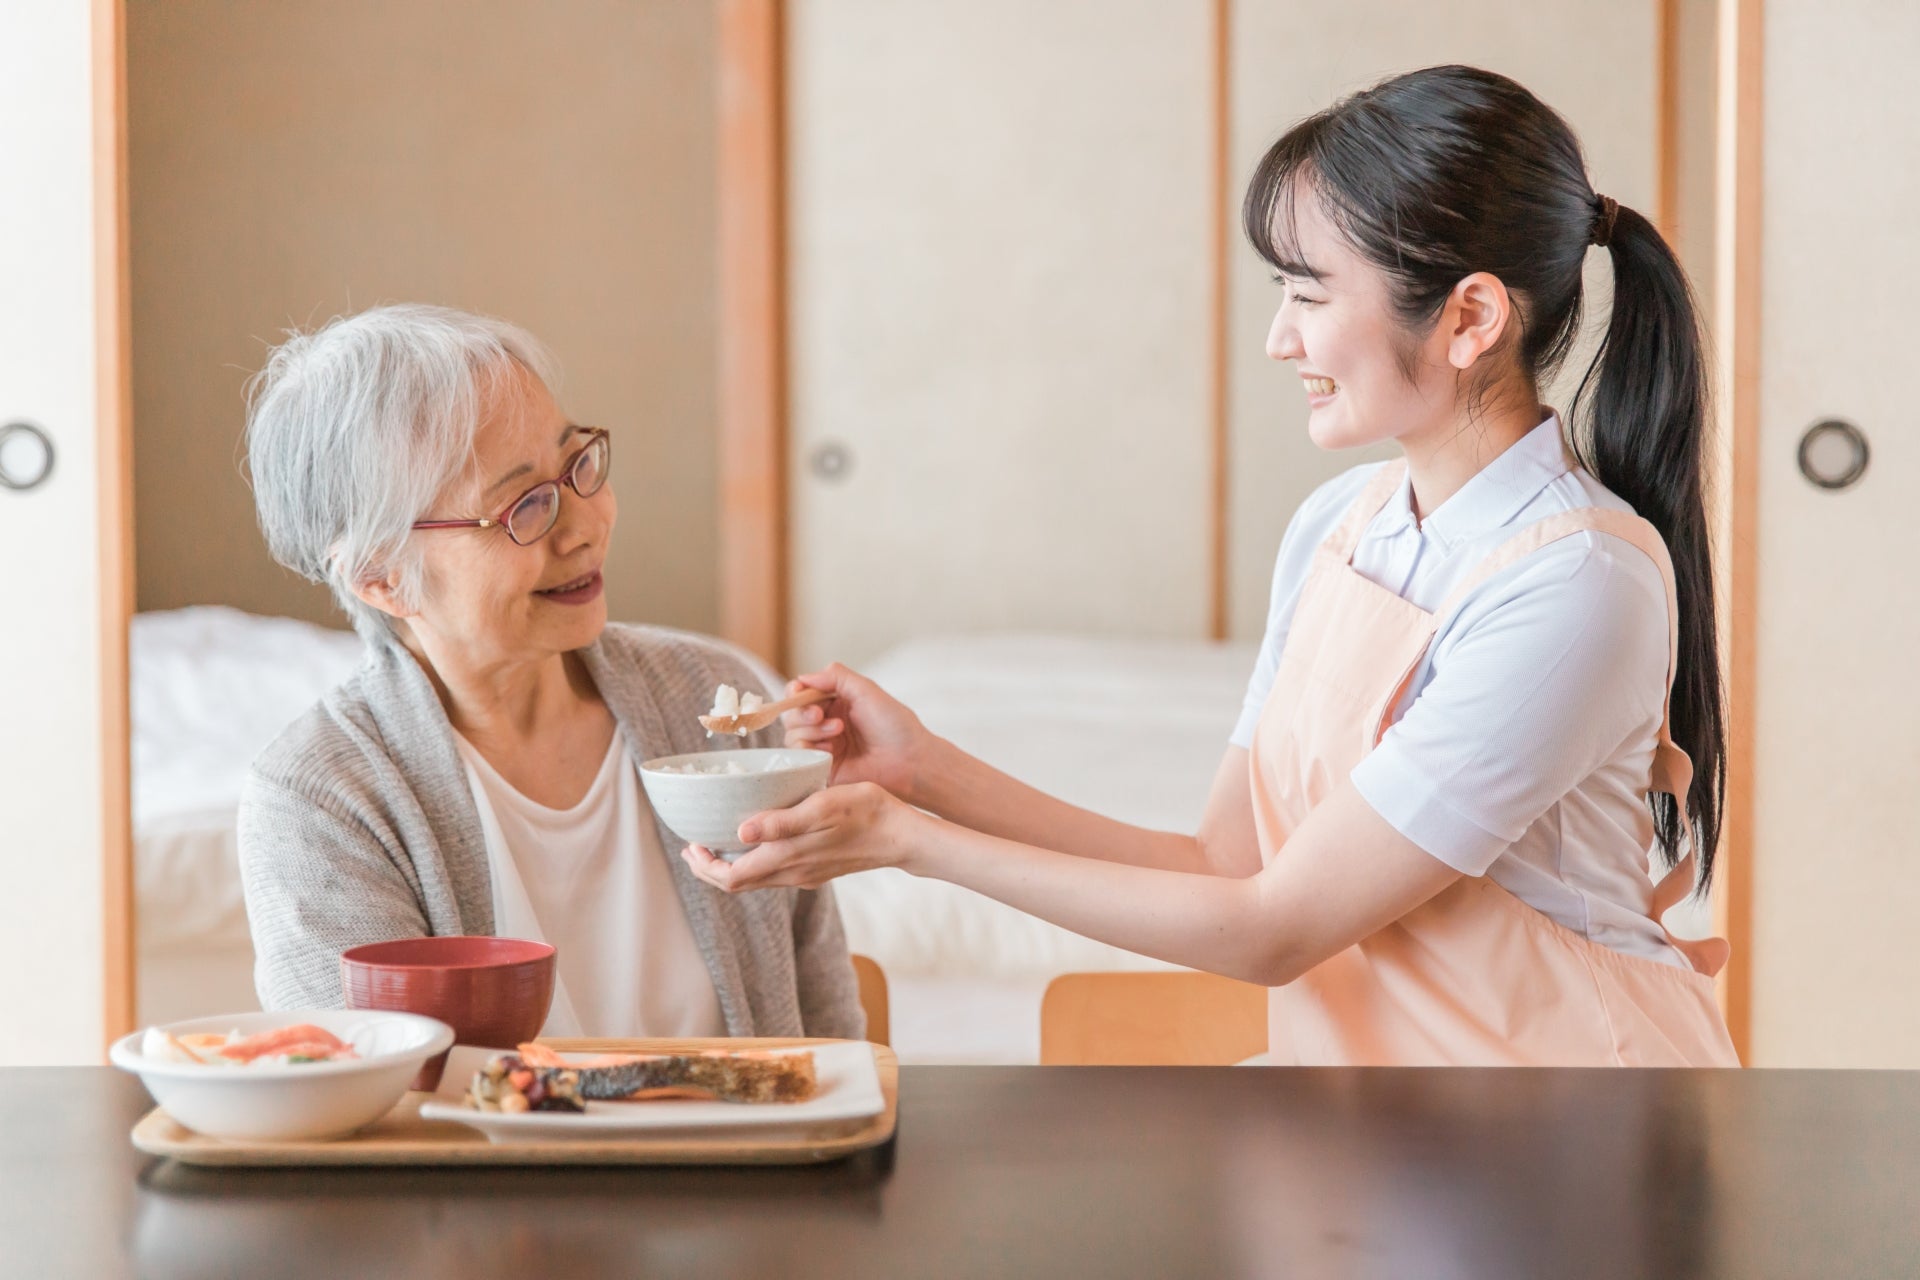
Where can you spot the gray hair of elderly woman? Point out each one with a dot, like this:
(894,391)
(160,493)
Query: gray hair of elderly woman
(355,428)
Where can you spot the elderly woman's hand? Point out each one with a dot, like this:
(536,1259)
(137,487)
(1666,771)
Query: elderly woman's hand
(842,829)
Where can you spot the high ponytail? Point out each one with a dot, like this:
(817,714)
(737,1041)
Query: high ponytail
(1643,402)
(1441,173)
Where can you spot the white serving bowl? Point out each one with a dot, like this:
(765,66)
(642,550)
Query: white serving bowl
(708,808)
(290,1102)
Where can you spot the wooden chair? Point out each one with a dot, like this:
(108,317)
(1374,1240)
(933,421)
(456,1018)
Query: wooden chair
(873,998)
(1151,1019)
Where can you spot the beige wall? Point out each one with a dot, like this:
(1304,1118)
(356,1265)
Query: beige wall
(551,163)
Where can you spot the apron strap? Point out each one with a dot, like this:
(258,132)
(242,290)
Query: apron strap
(1623,525)
(1346,535)
(1672,772)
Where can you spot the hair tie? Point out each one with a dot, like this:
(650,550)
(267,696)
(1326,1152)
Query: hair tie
(1603,220)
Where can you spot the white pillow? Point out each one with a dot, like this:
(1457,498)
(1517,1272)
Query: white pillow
(210,687)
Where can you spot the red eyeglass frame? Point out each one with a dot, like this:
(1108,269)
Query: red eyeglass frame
(595,435)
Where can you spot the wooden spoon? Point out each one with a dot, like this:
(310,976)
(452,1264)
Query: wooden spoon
(759,718)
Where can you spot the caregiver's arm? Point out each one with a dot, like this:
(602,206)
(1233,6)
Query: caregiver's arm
(1346,875)
(874,738)
(974,794)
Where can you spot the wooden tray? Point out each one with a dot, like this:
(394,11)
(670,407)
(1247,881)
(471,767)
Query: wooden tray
(401,1137)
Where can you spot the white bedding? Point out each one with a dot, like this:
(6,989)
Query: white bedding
(1130,728)
(210,687)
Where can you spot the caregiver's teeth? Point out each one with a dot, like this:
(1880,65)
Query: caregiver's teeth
(1320,386)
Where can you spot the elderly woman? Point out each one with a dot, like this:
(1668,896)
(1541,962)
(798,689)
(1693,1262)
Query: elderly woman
(477,774)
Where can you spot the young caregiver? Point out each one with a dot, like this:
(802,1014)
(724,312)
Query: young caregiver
(1487,711)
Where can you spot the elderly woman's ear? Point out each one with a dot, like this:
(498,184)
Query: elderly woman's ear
(384,594)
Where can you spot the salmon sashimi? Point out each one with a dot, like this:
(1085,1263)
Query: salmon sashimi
(303,1040)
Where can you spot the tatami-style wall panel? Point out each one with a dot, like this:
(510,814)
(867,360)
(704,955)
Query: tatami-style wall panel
(999,238)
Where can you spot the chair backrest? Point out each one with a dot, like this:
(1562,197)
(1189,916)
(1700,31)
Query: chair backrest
(873,998)
(1151,1019)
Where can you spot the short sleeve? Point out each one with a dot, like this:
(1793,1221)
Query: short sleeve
(1310,526)
(1546,673)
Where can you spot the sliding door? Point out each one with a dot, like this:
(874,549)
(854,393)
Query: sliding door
(1836,867)
(62,639)
(999,219)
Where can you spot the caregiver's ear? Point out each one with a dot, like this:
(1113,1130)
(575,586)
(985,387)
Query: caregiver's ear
(1475,318)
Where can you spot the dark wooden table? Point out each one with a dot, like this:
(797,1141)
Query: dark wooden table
(1103,1172)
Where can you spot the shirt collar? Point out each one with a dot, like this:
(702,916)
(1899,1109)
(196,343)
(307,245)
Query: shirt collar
(1497,493)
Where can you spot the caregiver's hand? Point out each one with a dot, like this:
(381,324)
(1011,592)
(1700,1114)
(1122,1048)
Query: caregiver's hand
(833,832)
(873,737)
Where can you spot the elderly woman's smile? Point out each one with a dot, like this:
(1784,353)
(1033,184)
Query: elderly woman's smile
(582,590)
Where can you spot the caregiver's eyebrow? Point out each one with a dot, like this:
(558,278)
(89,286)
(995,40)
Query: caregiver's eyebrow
(526,468)
(1302,271)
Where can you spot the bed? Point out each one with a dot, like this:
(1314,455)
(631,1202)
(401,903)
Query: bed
(1131,728)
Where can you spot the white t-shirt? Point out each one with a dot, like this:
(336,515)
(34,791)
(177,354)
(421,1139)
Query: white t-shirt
(1522,747)
(593,880)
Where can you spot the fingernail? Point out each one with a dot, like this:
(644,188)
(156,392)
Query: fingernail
(750,833)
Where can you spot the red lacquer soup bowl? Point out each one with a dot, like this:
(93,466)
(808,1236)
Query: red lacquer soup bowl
(492,991)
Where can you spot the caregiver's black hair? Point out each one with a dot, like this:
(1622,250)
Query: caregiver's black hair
(1441,173)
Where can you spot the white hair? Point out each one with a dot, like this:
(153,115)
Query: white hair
(354,429)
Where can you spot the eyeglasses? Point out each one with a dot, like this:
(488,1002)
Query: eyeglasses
(532,515)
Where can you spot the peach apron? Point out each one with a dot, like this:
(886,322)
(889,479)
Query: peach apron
(1475,976)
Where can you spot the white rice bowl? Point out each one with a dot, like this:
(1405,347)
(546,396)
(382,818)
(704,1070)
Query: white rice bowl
(703,797)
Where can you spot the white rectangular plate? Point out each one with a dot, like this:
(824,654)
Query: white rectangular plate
(849,1091)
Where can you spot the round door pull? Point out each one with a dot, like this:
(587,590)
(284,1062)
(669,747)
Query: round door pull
(1834,454)
(26,456)
(831,461)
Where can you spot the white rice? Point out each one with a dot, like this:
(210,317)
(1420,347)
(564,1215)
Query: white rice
(722,764)
(729,701)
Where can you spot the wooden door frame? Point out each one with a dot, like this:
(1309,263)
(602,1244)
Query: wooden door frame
(1736,310)
(1220,402)
(114,486)
(752,341)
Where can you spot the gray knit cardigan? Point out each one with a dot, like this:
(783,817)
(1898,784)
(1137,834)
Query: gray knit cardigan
(358,825)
